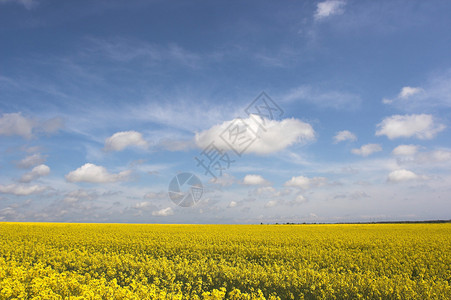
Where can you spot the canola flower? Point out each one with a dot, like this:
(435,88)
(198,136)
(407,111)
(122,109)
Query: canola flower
(127,261)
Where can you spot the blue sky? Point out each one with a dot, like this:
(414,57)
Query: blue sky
(102,103)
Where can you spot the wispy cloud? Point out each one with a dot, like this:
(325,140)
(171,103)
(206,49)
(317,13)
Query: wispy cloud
(329,8)
(31,160)
(367,149)
(323,98)
(434,93)
(16,124)
(344,135)
(28,4)
(127,50)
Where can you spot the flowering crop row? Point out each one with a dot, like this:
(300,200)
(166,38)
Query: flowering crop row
(127,261)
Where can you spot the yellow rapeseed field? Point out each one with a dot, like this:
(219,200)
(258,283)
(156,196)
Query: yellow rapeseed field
(125,261)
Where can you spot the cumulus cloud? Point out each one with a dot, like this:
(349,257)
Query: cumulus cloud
(276,136)
(405,150)
(344,135)
(120,140)
(15,124)
(329,8)
(163,212)
(232,204)
(271,203)
(367,149)
(30,161)
(305,182)
(96,174)
(36,172)
(21,190)
(254,180)
(403,175)
(422,126)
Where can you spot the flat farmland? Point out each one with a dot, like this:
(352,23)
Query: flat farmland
(131,261)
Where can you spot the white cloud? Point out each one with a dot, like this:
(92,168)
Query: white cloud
(36,172)
(232,204)
(402,175)
(163,212)
(329,8)
(422,126)
(405,150)
(21,190)
(254,180)
(271,203)
(96,174)
(120,140)
(305,182)
(277,135)
(344,135)
(408,91)
(15,124)
(405,93)
(367,149)
(31,160)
